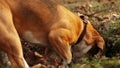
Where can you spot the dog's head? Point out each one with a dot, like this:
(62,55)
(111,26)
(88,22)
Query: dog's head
(91,41)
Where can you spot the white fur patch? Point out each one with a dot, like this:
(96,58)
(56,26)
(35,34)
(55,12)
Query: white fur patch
(30,37)
(26,65)
(83,47)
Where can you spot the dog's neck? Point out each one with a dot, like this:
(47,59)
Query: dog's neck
(83,32)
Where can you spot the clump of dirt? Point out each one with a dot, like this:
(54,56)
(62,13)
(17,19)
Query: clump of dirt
(38,56)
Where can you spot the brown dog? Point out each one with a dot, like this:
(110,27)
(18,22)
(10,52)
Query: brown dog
(44,22)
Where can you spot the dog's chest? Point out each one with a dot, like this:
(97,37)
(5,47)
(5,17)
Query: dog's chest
(35,37)
(28,35)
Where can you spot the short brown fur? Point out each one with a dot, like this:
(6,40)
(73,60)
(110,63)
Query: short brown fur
(48,22)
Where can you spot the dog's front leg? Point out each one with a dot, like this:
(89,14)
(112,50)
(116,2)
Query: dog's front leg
(59,39)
